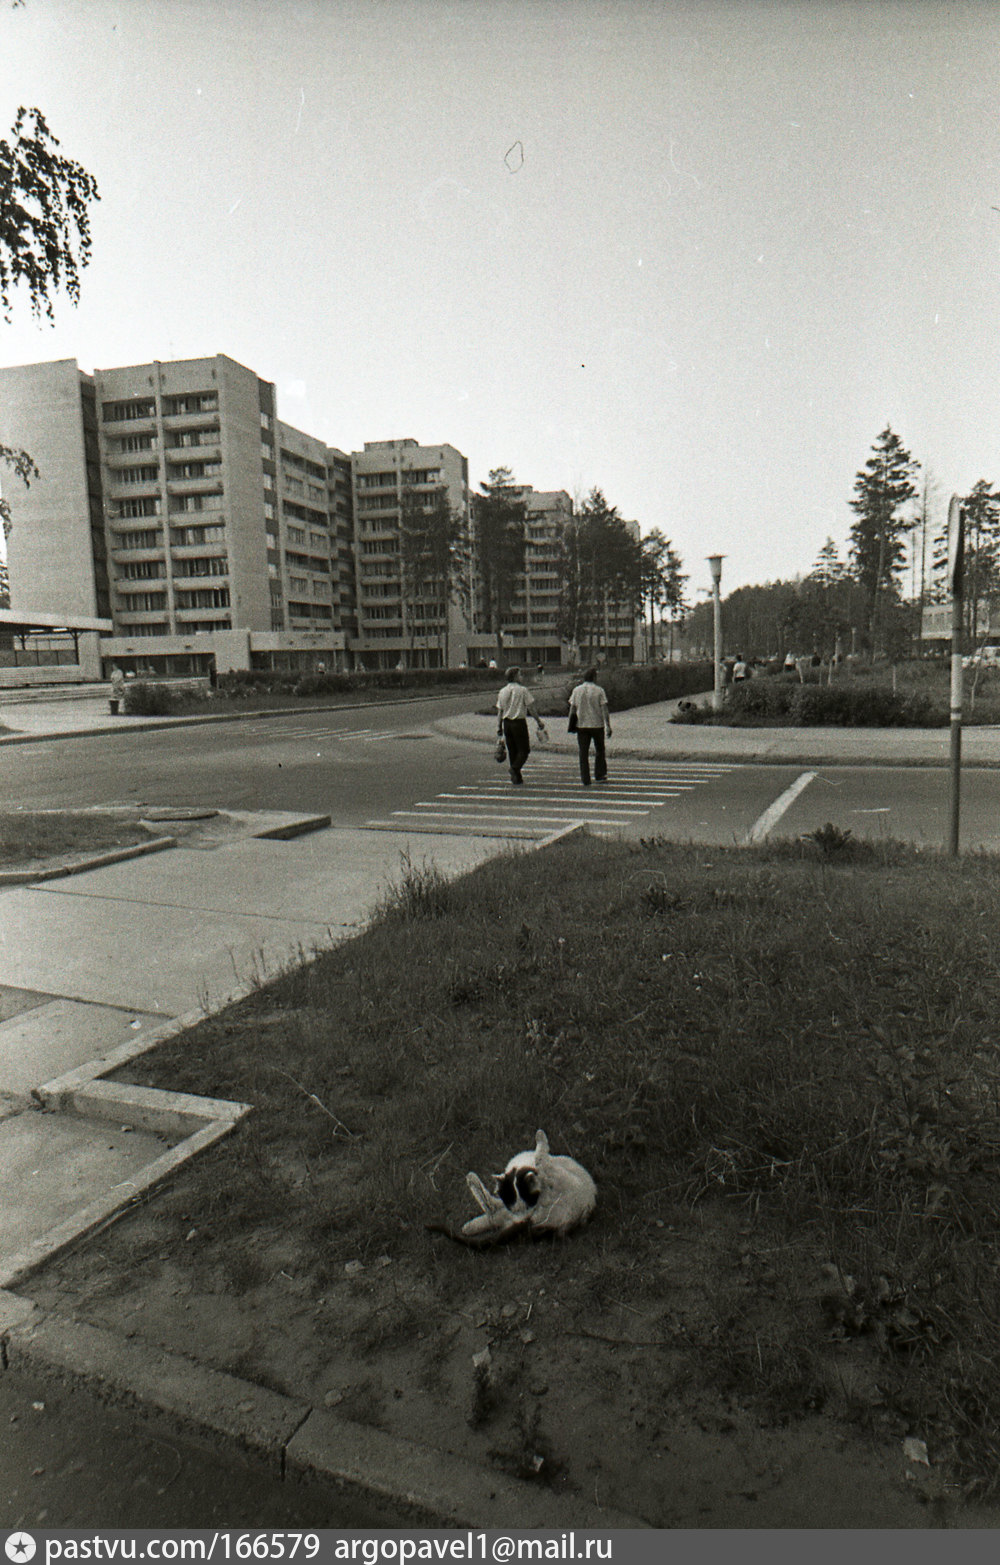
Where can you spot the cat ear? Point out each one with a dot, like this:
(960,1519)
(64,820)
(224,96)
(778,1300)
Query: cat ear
(541,1141)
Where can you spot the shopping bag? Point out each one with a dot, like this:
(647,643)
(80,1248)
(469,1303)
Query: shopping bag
(572,721)
(500,753)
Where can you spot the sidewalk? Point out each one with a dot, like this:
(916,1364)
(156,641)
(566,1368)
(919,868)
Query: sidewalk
(643,731)
(648,731)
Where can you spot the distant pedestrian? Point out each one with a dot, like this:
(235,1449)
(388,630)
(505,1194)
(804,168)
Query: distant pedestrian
(514,703)
(740,670)
(117,689)
(588,704)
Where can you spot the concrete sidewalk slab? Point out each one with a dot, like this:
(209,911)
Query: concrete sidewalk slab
(172,934)
(58,1163)
(56,1035)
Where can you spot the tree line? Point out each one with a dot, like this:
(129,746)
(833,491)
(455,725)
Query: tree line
(861,604)
(605,570)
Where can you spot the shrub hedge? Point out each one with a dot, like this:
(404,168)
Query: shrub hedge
(840,706)
(143,699)
(639,684)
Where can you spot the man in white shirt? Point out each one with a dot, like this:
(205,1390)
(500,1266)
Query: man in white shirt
(589,705)
(514,703)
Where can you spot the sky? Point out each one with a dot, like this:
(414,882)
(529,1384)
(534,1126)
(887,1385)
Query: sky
(696,254)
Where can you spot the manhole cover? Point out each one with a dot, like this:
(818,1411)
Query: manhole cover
(179,815)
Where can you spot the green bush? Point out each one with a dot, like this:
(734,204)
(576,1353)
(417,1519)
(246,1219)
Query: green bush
(640,684)
(868,707)
(761,697)
(143,699)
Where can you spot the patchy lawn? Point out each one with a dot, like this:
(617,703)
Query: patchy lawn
(781,1068)
(30,839)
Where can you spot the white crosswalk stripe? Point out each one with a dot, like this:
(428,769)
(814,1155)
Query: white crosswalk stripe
(280,735)
(552,797)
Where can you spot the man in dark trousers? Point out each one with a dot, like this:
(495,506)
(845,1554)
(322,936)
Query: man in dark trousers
(589,705)
(514,703)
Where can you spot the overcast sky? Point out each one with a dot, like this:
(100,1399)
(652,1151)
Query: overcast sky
(697,254)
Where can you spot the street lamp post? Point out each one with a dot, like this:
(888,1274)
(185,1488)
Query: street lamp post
(715,566)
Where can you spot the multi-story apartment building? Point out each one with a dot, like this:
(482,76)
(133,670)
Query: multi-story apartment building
(57,551)
(171,497)
(531,628)
(402,617)
(172,500)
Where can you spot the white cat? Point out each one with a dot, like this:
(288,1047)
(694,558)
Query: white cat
(536,1192)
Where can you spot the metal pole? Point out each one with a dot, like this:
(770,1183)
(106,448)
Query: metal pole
(956,550)
(715,566)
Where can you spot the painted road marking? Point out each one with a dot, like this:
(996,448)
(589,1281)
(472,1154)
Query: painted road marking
(553,796)
(772,815)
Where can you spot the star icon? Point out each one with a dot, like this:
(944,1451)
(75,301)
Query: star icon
(20,1546)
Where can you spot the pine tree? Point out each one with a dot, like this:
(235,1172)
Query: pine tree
(883,489)
(499,543)
(981,575)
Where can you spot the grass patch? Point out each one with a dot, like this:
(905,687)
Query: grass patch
(34,836)
(804,1036)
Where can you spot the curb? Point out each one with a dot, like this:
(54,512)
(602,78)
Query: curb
(140,725)
(17,877)
(297,827)
(634,752)
(417,1483)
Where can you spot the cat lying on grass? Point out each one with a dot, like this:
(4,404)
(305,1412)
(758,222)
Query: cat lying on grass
(537,1193)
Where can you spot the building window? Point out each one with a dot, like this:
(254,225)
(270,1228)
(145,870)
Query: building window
(147,506)
(184,537)
(208,565)
(120,412)
(138,475)
(137,443)
(191,402)
(144,602)
(142,570)
(148,538)
(205,598)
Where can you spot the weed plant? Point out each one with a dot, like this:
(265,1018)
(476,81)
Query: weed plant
(806,1033)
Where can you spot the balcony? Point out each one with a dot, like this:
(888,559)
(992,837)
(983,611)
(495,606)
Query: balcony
(175,421)
(179,486)
(199,453)
(130,426)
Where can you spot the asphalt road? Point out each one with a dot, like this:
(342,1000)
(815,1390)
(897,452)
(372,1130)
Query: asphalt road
(386,765)
(69,1460)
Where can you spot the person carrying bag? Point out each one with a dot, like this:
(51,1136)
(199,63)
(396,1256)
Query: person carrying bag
(514,703)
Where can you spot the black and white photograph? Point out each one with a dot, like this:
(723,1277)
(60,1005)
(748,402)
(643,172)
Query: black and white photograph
(499,775)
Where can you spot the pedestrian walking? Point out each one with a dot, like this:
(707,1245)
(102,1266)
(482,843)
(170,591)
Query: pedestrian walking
(514,703)
(590,720)
(117,690)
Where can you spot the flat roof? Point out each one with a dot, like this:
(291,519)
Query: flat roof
(23,621)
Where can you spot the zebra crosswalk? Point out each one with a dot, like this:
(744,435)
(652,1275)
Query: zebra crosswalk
(552,798)
(281,732)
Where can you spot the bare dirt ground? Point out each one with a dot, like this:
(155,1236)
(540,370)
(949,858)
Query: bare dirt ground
(529,1359)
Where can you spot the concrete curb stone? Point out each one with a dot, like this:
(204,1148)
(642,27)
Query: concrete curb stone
(17,877)
(415,1483)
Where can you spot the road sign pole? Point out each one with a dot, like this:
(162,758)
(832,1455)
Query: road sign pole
(956,552)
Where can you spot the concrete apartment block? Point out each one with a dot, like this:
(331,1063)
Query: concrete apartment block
(395,625)
(56,549)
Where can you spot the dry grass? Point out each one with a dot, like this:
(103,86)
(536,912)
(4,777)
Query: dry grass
(806,1034)
(34,836)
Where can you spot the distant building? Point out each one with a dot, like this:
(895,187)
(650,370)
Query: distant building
(173,500)
(419,625)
